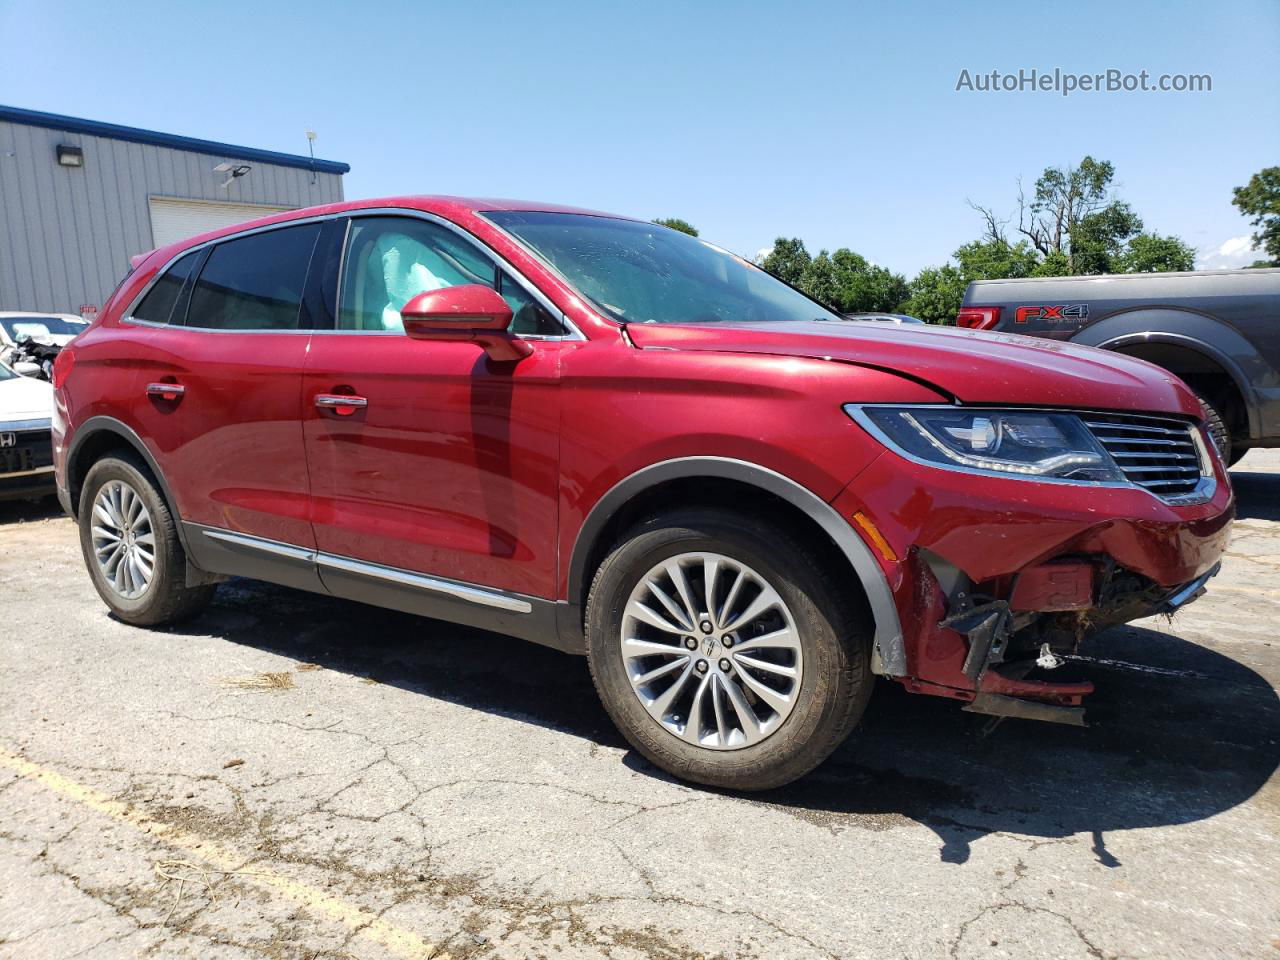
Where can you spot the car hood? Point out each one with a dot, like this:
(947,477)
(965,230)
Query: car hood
(970,365)
(23,398)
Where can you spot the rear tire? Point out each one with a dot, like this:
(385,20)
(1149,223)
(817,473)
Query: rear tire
(130,544)
(829,648)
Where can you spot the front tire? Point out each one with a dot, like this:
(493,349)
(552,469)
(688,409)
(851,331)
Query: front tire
(1219,433)
(724,651)
(130,544)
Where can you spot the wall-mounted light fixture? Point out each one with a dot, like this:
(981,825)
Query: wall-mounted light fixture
(69,156)
(233,171)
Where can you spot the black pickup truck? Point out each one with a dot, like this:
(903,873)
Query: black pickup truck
(1219,330)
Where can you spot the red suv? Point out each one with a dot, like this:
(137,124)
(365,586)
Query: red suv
(618,440)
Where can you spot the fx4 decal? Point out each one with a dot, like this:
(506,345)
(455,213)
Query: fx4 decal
(1058,314)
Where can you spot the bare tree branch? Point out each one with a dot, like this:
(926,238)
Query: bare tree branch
(994,232)
(1029,224)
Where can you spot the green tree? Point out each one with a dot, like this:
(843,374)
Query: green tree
(1075,225)
(819,279)
(788,260)
(844,281)
(935,294)
(1054,265)
(1063,197)
(875,290)
(1098,240)
(1153,253)
(1259,200)
(675,223)
(996,259)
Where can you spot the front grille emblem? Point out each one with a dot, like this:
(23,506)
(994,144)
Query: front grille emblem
(8,439)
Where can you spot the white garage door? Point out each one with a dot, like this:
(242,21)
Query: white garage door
(173,220)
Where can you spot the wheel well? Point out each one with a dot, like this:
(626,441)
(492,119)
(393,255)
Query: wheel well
(1202,374)
(92,449)
(718,493)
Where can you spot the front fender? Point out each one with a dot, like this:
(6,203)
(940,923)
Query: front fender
(890,652)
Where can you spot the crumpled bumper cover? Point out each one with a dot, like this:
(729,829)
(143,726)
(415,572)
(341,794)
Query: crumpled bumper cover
(949,531)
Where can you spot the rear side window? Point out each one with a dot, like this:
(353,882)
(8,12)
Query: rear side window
(255,282)
(158,305)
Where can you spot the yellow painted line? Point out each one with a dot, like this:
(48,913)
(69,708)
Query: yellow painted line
(226,860)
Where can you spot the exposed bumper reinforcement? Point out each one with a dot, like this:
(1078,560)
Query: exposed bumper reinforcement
(997,705)
(1192,591)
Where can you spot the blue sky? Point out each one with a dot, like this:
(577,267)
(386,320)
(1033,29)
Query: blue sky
(835,122)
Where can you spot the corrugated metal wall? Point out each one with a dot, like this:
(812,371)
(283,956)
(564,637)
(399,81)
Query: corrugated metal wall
(66,233)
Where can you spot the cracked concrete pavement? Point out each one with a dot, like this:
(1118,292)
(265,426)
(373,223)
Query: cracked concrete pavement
(408,788)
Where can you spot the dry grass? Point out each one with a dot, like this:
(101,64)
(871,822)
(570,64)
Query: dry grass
(182,872)
(259,681)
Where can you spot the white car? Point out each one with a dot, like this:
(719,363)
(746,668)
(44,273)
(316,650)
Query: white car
(56,329)
(26,445)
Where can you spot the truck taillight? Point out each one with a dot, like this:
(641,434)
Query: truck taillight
(62,365)
(978,318)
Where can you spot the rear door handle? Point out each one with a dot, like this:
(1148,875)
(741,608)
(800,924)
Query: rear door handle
(340,403)
(166,391)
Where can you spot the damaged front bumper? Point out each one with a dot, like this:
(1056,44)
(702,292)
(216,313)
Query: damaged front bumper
(997,580)
(1006,644)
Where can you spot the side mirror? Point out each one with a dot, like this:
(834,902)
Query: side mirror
(472,312)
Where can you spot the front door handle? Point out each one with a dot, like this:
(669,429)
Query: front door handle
(340,403)
(166,391)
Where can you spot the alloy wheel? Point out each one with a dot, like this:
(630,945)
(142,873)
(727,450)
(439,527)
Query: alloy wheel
(123,537)
(711,651)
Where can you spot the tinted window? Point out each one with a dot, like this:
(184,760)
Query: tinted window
(255,282)
(390,260)
(157,306)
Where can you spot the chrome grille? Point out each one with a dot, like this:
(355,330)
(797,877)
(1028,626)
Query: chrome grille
(1157,453)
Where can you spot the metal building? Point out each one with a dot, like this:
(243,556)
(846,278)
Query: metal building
(78,198)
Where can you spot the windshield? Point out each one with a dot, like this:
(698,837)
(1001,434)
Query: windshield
(19,328)
(643,273)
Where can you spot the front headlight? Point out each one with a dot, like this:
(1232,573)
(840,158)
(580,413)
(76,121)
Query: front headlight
(1025,443)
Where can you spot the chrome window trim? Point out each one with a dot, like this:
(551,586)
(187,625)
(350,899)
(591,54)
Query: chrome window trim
(1203,492)
(214,330)
(472,593)
(128,317)
(573,332)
